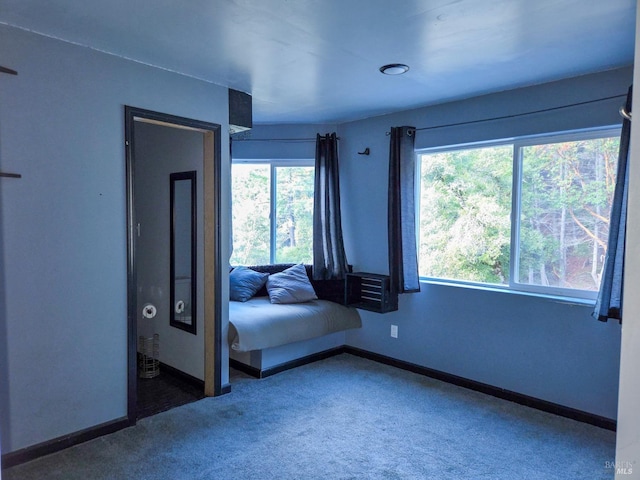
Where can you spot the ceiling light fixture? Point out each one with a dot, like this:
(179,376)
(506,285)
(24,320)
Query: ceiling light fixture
(394,69)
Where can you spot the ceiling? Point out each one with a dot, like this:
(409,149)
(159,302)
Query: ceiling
(315,61)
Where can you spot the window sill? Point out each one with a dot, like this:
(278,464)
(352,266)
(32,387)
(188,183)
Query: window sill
(584,302)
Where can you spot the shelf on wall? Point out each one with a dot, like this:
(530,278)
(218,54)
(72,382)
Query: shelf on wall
(370,291)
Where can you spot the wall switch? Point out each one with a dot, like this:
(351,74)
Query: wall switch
(394,331)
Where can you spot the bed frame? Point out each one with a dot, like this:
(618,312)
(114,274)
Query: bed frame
(269,361)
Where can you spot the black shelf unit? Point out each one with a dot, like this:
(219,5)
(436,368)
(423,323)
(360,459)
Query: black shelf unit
(370,291)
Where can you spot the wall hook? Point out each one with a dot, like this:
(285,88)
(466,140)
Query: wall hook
(8,70)
(10,175)
(366,152)
(625,114)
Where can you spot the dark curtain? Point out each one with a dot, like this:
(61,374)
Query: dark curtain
(230,198)
(403,257)
(329,259)
(609,302)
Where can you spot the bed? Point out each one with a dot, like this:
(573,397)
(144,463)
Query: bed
(258,324)
(265,335)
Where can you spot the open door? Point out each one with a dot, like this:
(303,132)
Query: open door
(208,217)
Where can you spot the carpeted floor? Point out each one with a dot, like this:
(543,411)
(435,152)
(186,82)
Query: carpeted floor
(341,418)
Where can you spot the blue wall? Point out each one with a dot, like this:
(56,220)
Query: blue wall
(537,346)
(532,345)
(64,242)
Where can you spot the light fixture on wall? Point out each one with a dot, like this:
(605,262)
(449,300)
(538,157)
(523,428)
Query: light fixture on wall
(394,69)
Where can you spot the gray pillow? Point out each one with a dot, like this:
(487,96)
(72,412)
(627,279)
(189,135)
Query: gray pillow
(290,286)
(244,283)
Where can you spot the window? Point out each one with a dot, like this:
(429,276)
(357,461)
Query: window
(272,212)
(530,214)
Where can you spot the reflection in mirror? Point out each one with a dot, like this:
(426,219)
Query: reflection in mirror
(183,251)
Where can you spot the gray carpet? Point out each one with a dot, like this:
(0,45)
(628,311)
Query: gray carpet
(341,418)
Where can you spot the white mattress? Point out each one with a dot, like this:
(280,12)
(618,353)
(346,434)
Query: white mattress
(259,324)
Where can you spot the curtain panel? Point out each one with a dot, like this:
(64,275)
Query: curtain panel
(609,301)
(329,259)
(403,257)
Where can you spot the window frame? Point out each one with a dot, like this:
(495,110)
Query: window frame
(518,143)
(274,164)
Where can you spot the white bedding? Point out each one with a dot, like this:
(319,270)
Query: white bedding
(258,324)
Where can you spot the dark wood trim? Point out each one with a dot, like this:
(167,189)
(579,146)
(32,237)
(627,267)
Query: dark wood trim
(196,382)
(218,388)
(244,368)
(131,115)
(132,276)
(509,395)
(519,398)
(60,443)
(298,362)
(212,263)
(51,446)
(302,361)
(191,176)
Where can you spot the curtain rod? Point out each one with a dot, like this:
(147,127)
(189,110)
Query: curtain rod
(504,117)
(515,115)
(277,139)
(273,139)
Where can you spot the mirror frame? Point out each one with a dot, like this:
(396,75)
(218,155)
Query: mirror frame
(173,178)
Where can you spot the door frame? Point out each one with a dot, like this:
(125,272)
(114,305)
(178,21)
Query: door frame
(212,319)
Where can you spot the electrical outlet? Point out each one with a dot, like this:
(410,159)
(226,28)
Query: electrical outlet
(394,331)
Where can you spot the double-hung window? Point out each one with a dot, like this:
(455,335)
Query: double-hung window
(530,214)
(272,211)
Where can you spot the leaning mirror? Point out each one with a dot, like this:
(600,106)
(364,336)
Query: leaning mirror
(183,251)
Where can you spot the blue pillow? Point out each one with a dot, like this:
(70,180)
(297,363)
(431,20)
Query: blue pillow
(290,286)
(244,283)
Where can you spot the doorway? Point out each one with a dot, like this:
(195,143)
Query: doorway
(208,362)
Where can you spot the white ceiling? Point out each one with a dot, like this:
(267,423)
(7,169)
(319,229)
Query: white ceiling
(312,61)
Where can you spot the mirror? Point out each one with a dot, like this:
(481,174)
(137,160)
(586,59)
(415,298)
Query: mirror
(183,251)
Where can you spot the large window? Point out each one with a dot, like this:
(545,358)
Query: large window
(272,212)
(530,214)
